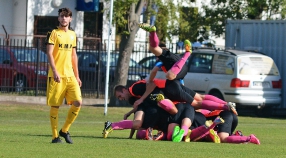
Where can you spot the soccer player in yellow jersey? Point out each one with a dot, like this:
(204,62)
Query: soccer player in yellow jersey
(63,79)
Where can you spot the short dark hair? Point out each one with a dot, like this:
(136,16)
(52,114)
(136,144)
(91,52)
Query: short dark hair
(65,11)
(118,88)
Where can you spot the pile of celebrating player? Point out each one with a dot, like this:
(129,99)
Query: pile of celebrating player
(176,112)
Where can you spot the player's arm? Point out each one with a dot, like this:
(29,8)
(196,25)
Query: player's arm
(50,49)
(50,43)
(129,113)
(75,65)
(51,60)
(153,73)
(150,85)
(149,89)
(132,131)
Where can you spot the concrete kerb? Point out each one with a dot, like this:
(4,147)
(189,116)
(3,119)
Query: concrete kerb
(41,100)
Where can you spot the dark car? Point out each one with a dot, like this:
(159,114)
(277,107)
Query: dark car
(149,62)
(92,69)
(22,68)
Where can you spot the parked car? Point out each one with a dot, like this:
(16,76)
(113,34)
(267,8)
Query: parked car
(22,68)
(92,69)
(149,62)
(246,78)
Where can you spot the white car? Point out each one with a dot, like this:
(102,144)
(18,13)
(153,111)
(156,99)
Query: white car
(245,78)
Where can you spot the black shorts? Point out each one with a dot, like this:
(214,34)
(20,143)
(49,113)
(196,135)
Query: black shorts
(169,59)
(199,120)
(154,116)
(230,122)
(175,91)
(185,110)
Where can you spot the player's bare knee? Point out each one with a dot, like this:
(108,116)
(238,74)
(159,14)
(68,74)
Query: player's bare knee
(197,104)
(170,75)
(157,51)
(136,124)
(174,111)
(223,137)
(198,97)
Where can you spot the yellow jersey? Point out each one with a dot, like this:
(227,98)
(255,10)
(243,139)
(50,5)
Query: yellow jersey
(63,43)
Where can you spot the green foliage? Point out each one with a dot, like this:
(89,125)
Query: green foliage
(176,19)
(121,11)
(25,132)
(189,24)
(167,18)
(283,9)
(219,11)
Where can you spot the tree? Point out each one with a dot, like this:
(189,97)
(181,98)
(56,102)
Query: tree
(219,11)
(189,24)
(126,24)
(126,17)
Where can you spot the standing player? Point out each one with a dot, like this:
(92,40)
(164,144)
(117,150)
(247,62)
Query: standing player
(63,79)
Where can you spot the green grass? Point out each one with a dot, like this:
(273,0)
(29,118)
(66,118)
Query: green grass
(25,132)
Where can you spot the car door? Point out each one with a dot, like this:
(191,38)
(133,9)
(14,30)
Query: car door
(87,66)
(199,74)
(6,68)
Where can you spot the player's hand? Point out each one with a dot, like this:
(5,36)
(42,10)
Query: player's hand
(57,77)
(79,81)
(126,116)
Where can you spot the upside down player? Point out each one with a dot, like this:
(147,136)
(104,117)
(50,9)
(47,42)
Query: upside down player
(176,69)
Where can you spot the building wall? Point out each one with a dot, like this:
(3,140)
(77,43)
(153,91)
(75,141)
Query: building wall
(19,14)
(106,27)
(19,17)
(47,8)
(6,9)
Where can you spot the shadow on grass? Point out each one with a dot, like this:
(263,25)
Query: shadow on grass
(45,135)
(264,113)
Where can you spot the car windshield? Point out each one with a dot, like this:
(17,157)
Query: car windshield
(29,55)
(257,66)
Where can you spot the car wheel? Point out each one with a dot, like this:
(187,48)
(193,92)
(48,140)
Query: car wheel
(217,94)
(20,83)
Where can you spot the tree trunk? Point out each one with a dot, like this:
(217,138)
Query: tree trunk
(125,49)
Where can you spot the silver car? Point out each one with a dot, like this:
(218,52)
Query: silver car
(245,78)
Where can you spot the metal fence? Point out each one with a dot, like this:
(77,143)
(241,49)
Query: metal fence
(24,65)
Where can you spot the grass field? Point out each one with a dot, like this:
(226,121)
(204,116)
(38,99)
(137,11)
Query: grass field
(25,132)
